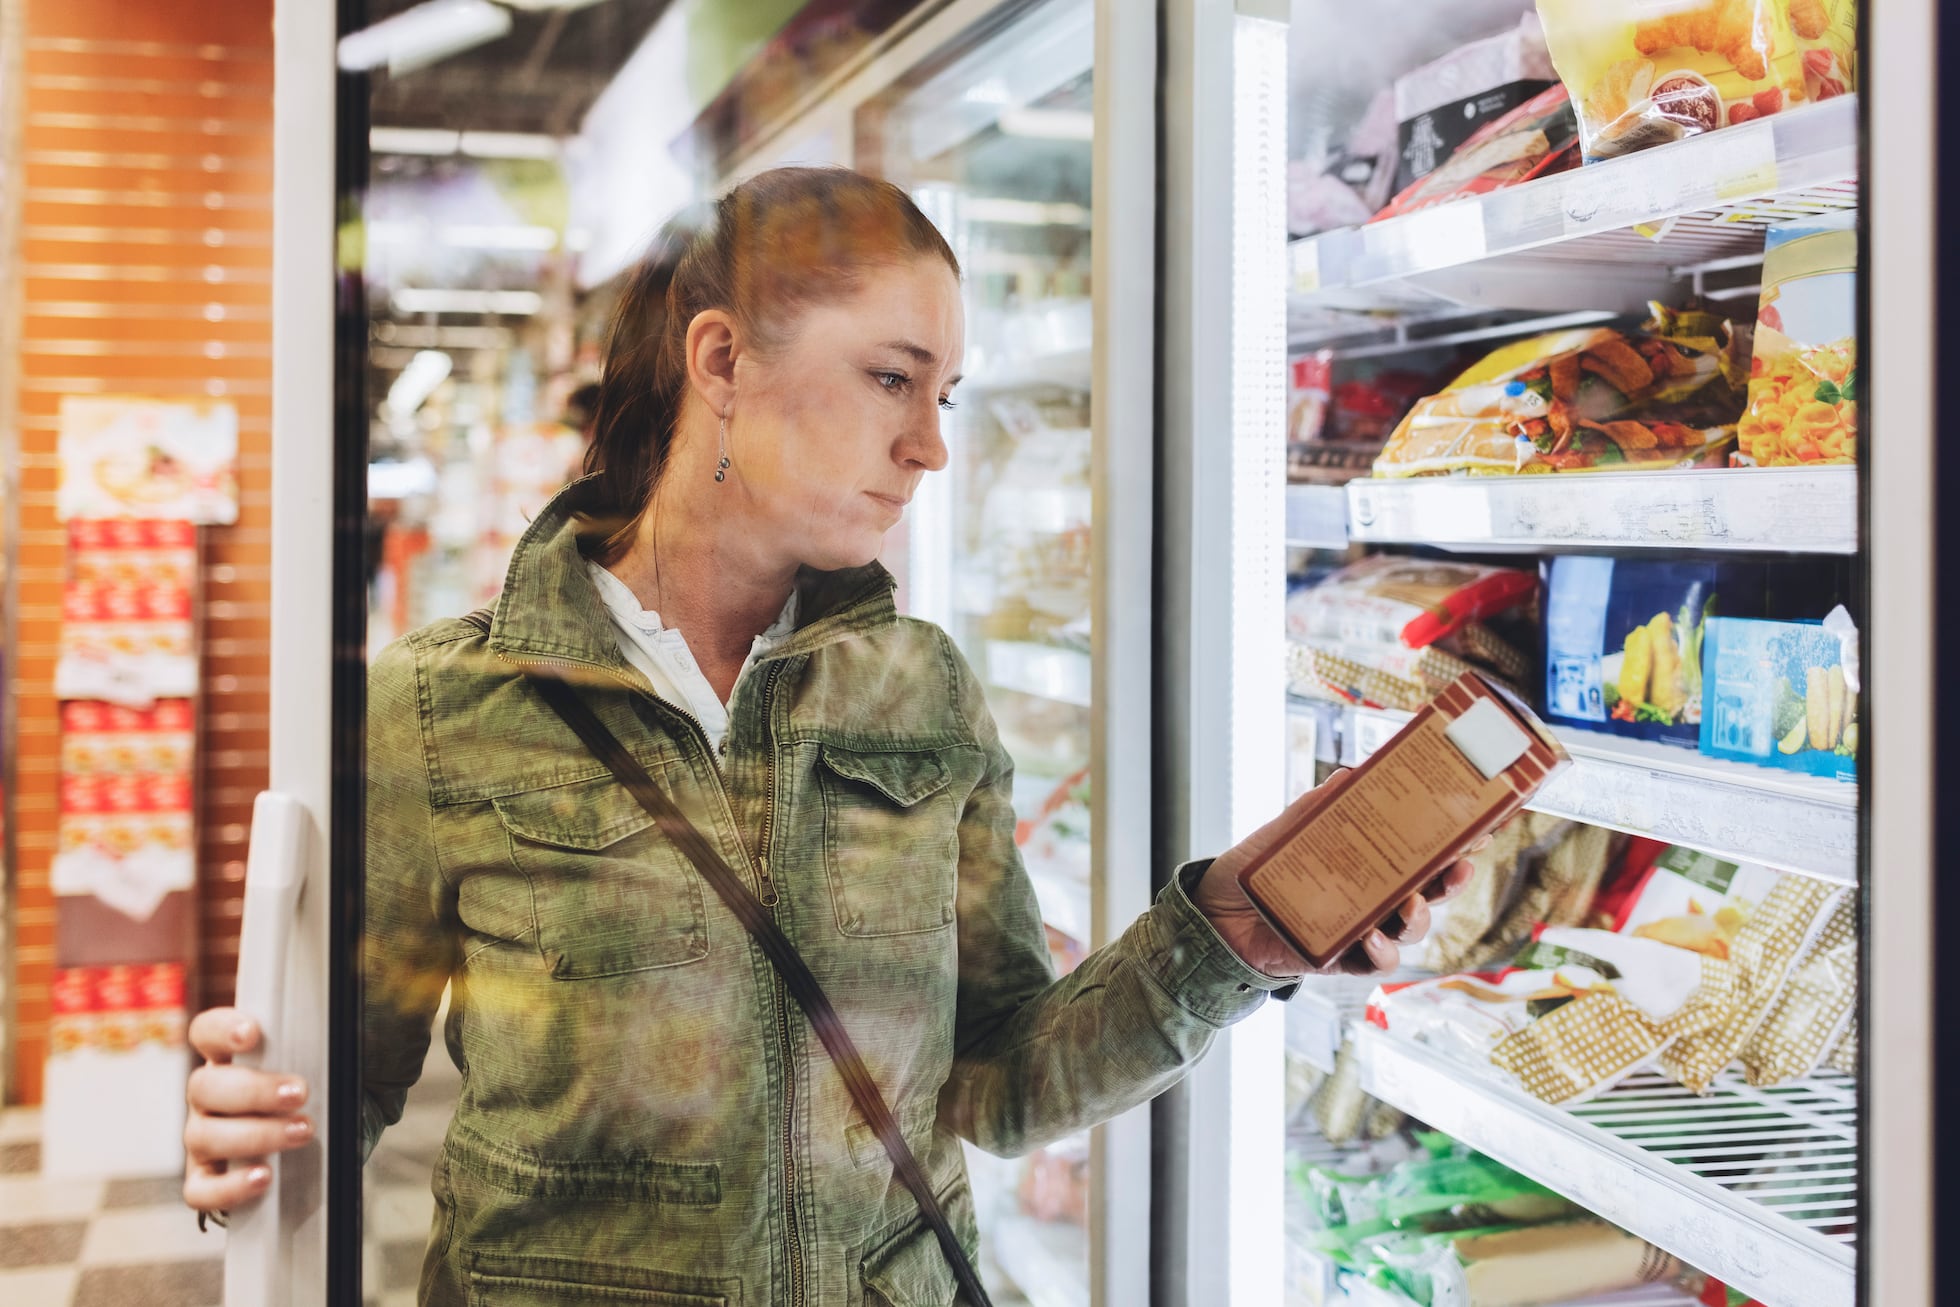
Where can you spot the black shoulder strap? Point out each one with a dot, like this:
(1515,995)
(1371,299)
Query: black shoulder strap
(782,955)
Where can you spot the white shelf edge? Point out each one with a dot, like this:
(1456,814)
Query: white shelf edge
(1045,671)
(1801,510)
(1784,820)
(1749,1247)
(1808,146)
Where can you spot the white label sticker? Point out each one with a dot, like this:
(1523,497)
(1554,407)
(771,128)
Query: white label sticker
(1488,737)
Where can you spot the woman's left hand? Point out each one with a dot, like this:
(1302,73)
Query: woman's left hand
(1222,901)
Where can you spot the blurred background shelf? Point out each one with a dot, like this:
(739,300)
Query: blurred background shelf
(1049,671)
(1757,1187)
(1047,1260)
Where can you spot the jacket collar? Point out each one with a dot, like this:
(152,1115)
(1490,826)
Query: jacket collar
(549,610)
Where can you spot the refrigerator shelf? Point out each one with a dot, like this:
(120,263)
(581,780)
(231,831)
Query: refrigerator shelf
(1601,231)
(1733,810)
(1047,1260)
(1802,510)
(1317,517)
(1757,1187)
(1044,670)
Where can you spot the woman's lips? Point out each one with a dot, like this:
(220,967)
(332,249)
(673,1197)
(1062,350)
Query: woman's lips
(892,502)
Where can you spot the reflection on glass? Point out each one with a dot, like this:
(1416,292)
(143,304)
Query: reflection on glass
(994,142)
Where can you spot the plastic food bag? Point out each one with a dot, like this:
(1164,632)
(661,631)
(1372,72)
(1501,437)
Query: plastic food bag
(1764,949)
(1580,1010)
(1589,399)
(1688,899)
(1814,1010)
(1409,601)
(1445,105)
(1803,383)
(1536,139)
(1646,72)
(1518,1267)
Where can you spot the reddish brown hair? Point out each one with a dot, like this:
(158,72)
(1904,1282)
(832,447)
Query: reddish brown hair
(773,245)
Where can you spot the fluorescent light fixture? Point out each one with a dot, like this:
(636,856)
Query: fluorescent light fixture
(391,480)
(1049,124)
(514,303)
(478,145)
(427,370)
(510,145)
(423,35)
(549,4)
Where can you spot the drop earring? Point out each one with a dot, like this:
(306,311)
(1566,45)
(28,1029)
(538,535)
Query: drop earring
(721,468)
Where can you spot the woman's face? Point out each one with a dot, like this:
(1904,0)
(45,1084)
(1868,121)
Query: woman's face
(830,431)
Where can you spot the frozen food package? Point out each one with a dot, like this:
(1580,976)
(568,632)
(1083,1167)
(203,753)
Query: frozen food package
(1449,101)
(1518,1266)
(1783,694)
(1408,601)
(1455,940)
(1844,1057)
(1579,400)
(1350,175)
(1557,888)
(1479,643)
(1339,1105)
(1373,675)
(1815,1008)
(1647,72)
(1689,899)
(1763,951)
(1623,641)
(1536,139)
(1803,379)
(1577,1011)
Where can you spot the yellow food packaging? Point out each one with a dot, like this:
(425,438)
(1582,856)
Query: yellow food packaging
(1647,72)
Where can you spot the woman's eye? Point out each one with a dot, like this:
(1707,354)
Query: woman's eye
(948,405)
(891,380)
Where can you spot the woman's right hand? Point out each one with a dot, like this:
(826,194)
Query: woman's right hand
(238,1116)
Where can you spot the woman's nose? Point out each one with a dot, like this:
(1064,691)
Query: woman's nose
(924,443)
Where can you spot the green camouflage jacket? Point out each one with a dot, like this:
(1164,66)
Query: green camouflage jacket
(645,1116)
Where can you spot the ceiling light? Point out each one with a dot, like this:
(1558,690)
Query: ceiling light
(427,370)
(516,303)
(478,145)
(420,36)
(1049,124)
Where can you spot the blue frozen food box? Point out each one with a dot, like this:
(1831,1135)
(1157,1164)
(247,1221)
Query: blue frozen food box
(1775,694)
(1623,641)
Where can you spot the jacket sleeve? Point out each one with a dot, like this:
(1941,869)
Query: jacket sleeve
(409,925)
(1036,1058)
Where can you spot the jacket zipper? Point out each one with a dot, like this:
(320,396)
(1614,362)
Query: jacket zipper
(770,898)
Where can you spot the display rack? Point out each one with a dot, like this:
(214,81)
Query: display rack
(1614,234)
(1733,810)
(1049,671)
(1757,1187)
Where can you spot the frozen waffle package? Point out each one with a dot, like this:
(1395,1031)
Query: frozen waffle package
(1579,400)
(1765,949)
(1538,870)
(1575,1013)
(1845,1056)
(1682,897)
(1648,72)
(1813,1013)
(1411,602)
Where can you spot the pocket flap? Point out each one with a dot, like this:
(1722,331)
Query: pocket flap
(904,778)
(593,814)
(911,1270)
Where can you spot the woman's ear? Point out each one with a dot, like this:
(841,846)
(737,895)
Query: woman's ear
(712,347)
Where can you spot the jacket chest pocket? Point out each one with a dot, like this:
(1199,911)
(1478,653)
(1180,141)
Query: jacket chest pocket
(891,840)
(612,895)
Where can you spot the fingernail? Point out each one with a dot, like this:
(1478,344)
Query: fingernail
(258,1175)
(1378,939)
(241,1034)
(297,1130)
(291,1093)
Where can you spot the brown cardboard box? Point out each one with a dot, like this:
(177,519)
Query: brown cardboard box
(1463,765)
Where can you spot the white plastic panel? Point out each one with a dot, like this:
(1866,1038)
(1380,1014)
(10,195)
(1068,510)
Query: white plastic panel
(1795,510)
(1755,1187)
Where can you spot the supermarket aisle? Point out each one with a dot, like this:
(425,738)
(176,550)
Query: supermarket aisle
(97,1243)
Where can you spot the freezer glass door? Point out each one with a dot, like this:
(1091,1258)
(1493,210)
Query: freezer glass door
(993,140)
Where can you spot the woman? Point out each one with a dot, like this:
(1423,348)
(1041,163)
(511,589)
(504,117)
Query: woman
(645,1115)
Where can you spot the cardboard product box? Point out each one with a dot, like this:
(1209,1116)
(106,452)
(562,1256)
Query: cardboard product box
(1776,694)
(1462,766)
(1442,104)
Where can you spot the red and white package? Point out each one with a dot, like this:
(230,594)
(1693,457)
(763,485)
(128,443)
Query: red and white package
(1411,601)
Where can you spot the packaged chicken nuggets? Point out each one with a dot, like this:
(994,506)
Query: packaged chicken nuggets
(1647,72)
(1585,399)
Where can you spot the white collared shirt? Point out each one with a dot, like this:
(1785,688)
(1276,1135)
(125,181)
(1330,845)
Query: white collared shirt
(660,653)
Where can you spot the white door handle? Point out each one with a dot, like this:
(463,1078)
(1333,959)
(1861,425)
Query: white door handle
(275,871)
